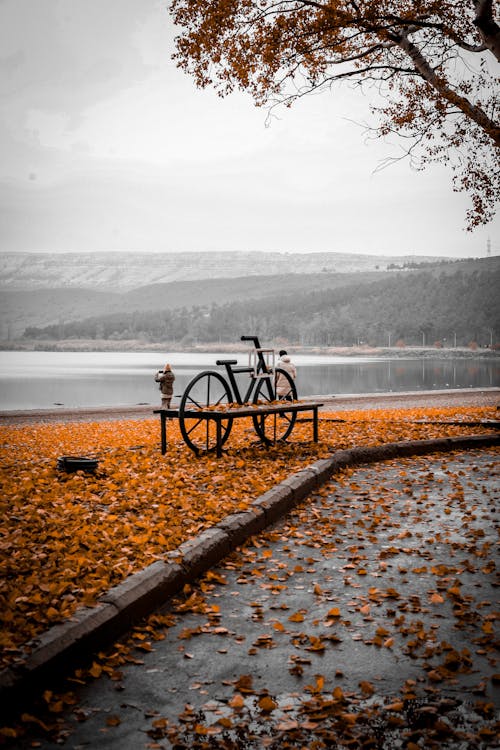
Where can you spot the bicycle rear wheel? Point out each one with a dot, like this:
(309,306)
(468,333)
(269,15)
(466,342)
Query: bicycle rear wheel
(274,427)
(207,391)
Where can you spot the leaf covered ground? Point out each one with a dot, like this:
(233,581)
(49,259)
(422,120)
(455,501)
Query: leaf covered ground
(67,538)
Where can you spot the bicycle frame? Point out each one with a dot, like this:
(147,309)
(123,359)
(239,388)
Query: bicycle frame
(213,394)
(261,369)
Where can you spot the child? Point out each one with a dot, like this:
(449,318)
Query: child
(166,379)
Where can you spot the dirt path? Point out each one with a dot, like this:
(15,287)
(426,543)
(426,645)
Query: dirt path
(432,399)
(464,397)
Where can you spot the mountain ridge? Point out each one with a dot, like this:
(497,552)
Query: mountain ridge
(59,305)
(123,271)
(418,306)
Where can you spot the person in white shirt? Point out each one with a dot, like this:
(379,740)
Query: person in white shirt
(282,384)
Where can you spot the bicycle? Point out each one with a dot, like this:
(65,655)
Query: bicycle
(210,391)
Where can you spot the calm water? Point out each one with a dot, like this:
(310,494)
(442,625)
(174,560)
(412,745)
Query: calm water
(33,380)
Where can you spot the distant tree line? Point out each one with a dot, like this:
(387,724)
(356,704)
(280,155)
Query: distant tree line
(421,308)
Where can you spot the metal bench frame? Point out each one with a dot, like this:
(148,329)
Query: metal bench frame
(235,413)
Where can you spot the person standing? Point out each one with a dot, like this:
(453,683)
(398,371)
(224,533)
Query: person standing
(166,379)
(282,384)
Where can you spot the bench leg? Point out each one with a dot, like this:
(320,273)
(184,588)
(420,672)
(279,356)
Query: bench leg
(315,424)
(163,434)
(219,437)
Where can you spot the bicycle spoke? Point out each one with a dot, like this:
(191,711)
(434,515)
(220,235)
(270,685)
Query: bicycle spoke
(265,398)
(274,427)
(208,390)
(198,421)
(193,401)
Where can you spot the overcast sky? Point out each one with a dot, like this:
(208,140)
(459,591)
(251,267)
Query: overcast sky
(106,145)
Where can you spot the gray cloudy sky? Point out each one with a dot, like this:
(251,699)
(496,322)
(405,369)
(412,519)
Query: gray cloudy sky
(105,145)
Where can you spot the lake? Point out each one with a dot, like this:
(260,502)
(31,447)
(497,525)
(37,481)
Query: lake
(40,380)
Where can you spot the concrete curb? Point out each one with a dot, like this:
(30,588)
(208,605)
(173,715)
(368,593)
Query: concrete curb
(91,628)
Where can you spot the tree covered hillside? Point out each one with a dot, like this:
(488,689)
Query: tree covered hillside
(416,307)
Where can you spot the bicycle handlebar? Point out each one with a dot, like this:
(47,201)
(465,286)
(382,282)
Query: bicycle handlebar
(255,340)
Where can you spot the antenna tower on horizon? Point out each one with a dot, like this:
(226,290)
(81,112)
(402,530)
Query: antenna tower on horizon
(488,247)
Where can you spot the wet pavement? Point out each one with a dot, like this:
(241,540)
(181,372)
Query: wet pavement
(377,596)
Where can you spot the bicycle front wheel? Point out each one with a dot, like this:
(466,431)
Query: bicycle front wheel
(207,391)
(273,427)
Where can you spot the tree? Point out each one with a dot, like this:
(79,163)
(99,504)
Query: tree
(431,62)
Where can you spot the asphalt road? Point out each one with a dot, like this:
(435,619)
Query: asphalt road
(380,587)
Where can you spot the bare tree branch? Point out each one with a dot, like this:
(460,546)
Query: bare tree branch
(473,111)
(487,26)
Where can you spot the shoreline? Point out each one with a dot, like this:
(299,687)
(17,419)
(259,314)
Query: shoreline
(131,346)
(476,397)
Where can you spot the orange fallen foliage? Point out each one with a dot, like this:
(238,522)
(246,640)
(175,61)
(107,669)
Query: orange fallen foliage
(67,538)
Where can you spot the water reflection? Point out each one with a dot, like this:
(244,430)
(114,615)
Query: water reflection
(30,380)
(400,375)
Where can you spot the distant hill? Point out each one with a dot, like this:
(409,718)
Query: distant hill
(458,303)
(41,307)
(43,289)
(123,271)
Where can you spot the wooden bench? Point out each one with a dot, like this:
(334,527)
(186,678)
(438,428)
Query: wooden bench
(219,416)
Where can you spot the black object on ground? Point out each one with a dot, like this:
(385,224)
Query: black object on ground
(77,463)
